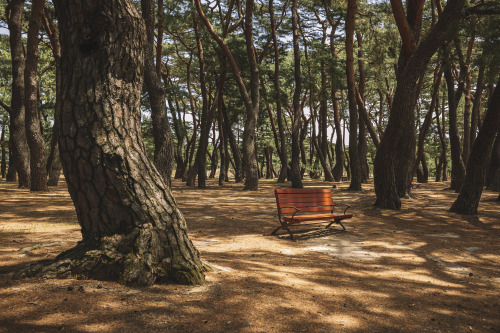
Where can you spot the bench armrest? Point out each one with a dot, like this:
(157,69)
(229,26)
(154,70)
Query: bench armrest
(346,207)
(296,209)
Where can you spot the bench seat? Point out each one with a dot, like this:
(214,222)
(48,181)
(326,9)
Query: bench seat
(302,205)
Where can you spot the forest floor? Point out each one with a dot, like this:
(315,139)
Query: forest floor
(421,269)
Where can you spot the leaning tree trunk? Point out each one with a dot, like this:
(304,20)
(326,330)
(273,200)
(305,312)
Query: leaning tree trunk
(472,188)
(18,142)
(132,229)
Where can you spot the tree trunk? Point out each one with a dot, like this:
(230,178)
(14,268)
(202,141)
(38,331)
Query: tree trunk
(207,113)
(11,171)
(395,153)
(470,193)
(3,166)
(38,166)
(424,129)
(362,143)
(295,170)
(338,168)
(494,166)
(279,114)
(53,167)
(55,170)
(468,99)
(251,100)
(356,177)
(458,167)
(18,141)
(162,133)
(238,167)
(133,232)
(476,105)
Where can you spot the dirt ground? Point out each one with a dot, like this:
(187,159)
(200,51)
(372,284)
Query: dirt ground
(421,269)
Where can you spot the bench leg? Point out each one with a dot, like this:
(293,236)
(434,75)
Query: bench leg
(284,226)
(336,221)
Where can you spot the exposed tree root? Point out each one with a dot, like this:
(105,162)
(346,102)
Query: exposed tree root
(139,258)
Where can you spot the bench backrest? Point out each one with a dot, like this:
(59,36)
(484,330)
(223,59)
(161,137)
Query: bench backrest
(308,200)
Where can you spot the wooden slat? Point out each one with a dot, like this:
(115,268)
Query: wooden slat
(317,217)
(306,195)
(307,209)
(307,204)
(302,190)
(313,201)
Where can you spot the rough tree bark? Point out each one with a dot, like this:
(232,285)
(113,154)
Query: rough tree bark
(38,167)
(472,188)
(351,90)
(18,141)
(397,144)
(162,133)
(133,232)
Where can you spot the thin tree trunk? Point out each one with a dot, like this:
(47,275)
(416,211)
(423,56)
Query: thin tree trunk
(133,232)
(200,162)
(11,171)
(18,141)
(362,143)
(458,167)
(54,169)
(3,166)
(476,105)
(356,172)
(468,99)
(494,167)
(295,170)
(279,113)
(470,193)
(38,166)
(162,134)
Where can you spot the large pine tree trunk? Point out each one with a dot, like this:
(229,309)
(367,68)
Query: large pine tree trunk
(132,229)
(18,142)
(472,188)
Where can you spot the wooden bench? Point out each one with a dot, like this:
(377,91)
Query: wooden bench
(302,205)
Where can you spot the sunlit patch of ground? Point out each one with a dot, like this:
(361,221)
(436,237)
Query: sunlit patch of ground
(421,269)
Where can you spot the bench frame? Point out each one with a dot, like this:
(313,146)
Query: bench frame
(301,205)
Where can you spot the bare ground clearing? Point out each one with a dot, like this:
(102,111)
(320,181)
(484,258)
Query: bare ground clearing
(420,269)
